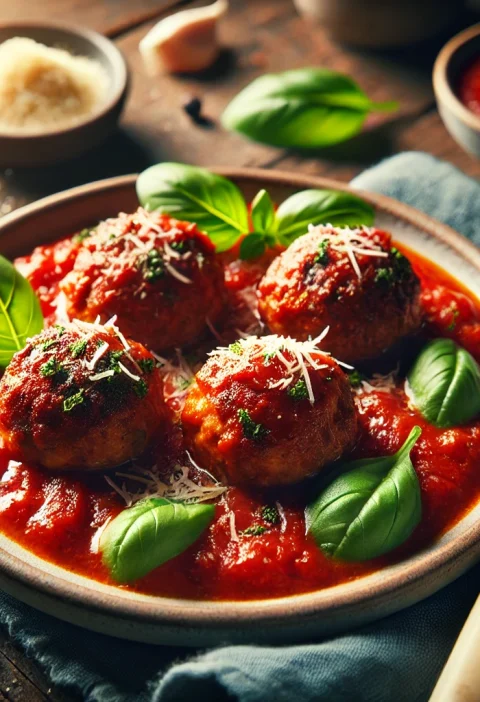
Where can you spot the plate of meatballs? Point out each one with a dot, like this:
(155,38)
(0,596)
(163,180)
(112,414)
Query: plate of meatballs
(198,445)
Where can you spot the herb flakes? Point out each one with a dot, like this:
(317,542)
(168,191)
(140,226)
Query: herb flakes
(298,391)
(251,430)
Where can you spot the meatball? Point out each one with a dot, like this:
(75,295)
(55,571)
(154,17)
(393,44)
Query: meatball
(268,411)
(159,276)
(352,281)
(81,397)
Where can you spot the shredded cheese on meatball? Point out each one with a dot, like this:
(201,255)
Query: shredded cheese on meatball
(138,244)
(88,329)
(179,487)
(273,346)
(351,242)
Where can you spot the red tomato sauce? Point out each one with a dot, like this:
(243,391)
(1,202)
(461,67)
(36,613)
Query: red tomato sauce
(469,87)
(59,517)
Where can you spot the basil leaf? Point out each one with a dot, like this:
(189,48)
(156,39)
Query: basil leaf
(370,509)
(152,532)
(320,207)
(445,384)
(196,195)
(304,108)
(20,312)
(253,246)
(263,213)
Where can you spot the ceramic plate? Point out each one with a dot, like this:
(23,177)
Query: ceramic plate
(151,619)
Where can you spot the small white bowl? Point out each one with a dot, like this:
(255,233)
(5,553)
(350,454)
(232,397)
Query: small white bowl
(462,123)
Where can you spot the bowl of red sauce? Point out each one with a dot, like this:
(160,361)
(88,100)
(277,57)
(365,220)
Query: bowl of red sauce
(456,81)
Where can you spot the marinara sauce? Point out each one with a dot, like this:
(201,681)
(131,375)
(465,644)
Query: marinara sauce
(261,556)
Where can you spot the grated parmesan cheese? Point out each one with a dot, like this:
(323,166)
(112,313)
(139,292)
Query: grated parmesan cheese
(179,487)
(274,346)
(352,242)
(44,88)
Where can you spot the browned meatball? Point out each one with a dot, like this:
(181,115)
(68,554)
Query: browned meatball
(268,411)
(352,281)
(81,397)
(159,276)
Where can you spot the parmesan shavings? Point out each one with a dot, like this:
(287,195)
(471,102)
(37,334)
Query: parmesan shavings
(138,244)
(233,528)
(178,376)
(125,370)
(97,356)
(352,242)
(178,487)
(295,356)
(378,383)
(101,376)
(281,514)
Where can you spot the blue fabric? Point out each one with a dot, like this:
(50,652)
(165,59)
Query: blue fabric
(397,659)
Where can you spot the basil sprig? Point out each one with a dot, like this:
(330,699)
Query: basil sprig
(370,509)
(150,533)
(445,384)
(303,108)
(217,206)
(196,195)
(320,207)
(20,312)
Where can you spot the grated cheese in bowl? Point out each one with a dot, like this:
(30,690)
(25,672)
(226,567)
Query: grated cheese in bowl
(44,89)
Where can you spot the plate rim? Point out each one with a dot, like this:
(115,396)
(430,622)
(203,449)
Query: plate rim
(406,578)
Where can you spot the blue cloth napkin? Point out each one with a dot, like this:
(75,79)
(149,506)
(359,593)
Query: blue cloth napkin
(398,659)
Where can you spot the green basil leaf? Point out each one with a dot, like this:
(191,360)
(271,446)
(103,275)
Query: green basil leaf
(263,212)
(304,108)
(445,384)
(253,246)
(152,532)
(196,195)
(20,312)
(320,207)
(370,509)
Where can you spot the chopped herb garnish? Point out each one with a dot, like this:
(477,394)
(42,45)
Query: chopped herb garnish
(51,368)
(271,354)
(236,347)
(384,275)
(154,268)
(270,514)
(178,246)
(251,430)
(254,530)
(113,359)
(356,378)
(298,391)
(147,364)
(78,348)
(48,344)
(453,323)
(401,264)
(322,255)
(82,235)
(70,402)
(141,388)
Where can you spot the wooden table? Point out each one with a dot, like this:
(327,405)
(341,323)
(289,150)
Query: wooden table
(260,36)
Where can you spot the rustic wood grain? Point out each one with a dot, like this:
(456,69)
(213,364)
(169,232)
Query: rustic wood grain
(260,37)
(107,16)
(21,680)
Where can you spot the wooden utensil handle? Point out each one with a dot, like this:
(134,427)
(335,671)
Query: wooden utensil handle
(460,679)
